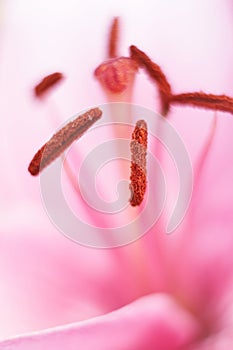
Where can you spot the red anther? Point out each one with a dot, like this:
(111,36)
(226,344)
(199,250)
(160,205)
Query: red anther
(47,83)
(60,141)
(113,39)
(156,74)
(138,148)
(209,101)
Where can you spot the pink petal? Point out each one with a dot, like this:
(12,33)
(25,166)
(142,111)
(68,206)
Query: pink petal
(48,280)
(152,322)
(204,256)
(221,339)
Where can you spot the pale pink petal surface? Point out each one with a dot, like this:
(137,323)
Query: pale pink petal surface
(152,322)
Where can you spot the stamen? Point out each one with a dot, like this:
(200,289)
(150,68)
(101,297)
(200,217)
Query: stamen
(138,147)
(113,39)
(200,99)
(62,140)
(156,73)
(205,149)
(46,83)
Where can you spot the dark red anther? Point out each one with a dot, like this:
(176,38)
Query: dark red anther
(113,39)
(156,74)
(138,148)
(60,141)
(209,101)
(47,83)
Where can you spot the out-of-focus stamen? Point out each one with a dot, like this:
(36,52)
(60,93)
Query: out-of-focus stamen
(205,149)
(200,99)
(156,74)
(62,140)
(47,83)
(138,148)
(113,39)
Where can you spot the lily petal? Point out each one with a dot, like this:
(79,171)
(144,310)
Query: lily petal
(152,322)
(204,257)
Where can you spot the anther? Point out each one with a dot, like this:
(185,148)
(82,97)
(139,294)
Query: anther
(156,74)
(209,101)
(47,83)
(62,140)
(113,39)
(138,147)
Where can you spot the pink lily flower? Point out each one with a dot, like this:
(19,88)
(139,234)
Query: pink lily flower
(161,291)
